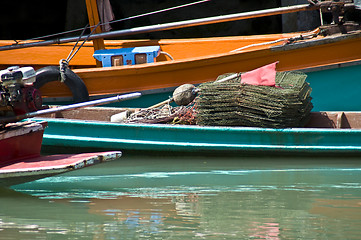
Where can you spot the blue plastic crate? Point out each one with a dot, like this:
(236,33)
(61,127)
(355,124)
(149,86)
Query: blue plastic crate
(127,56)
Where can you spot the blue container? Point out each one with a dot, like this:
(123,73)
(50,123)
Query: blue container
(127,56)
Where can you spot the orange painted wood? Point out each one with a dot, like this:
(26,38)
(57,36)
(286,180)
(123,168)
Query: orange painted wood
(195,60)
(178,48)
(93,16)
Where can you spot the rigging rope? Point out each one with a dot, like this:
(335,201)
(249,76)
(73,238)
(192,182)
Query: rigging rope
(82,33)
(114,21)
(64,63)
(309,35)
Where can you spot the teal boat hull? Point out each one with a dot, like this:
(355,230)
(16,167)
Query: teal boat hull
(333,89)
(336,89)
(64,133)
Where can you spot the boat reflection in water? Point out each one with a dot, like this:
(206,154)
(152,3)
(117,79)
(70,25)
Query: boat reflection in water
(238,198)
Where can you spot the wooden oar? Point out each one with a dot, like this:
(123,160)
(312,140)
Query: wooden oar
(173,25)
(97,102)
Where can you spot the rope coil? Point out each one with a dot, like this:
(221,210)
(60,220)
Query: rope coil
(63,65)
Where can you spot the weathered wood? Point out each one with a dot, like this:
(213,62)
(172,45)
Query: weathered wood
(35,168)
(97,102)
(342,120)
(340,117)
(90,113)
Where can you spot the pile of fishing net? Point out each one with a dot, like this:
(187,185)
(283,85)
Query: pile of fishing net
(167,114)
(258,98)
(232,103)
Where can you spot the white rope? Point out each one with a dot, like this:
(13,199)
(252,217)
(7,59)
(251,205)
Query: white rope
(167,54)
(259,44)
(309,35)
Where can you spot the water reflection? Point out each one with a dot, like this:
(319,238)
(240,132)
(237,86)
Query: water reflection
(267,230)
(185,199)
(338,208)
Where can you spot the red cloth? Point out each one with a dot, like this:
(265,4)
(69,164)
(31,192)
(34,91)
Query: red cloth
(265,75)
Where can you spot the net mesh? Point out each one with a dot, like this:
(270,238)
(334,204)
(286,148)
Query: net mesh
(231,103)
(185,115)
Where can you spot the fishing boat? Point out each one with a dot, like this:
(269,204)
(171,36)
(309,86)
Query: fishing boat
(166,64)
(90,128)
(257,112)
(20,146)
(20,141)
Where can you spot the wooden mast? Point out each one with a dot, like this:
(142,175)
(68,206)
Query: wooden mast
(93,16)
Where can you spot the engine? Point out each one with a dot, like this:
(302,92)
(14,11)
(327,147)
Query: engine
(17,93)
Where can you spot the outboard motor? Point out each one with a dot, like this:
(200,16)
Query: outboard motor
(17,93)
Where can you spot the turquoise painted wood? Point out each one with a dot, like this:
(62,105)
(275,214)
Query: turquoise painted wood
(337,89)
(87,134)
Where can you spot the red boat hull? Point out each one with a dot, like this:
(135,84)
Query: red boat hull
(20,141)
(20,160)
(31,169)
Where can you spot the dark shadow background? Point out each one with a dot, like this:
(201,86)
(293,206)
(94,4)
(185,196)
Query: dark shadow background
(27,19)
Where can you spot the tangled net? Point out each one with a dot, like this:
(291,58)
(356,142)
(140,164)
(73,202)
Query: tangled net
(231,103)
(167,114)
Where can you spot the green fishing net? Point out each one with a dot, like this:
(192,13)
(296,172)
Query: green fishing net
(231,103)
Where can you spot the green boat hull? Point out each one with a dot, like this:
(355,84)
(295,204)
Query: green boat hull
(334,88)
(64,133)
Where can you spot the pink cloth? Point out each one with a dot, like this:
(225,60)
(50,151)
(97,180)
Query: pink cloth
(265,76)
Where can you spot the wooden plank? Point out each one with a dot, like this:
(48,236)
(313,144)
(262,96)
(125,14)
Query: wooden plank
(342,120)
(93,16)
(45,166)
(64,162)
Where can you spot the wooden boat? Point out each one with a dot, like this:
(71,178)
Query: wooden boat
(20,145)
(326,133)
(195,60)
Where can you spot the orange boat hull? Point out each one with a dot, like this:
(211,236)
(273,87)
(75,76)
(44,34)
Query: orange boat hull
(195,61)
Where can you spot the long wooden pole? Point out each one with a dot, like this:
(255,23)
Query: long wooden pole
(173,25)
(93,16)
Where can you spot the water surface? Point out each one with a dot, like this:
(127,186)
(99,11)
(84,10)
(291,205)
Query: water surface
(190,198)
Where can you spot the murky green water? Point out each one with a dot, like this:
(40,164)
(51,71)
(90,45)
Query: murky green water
(184,198)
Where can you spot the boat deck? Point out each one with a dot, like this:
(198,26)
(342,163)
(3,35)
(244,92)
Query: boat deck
(340,120)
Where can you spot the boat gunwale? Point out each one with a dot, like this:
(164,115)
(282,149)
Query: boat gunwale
(197,147)
(18,130)
(198,127)
(116,43)
(225,57)
(170,89)
(156,138)
(336,38)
